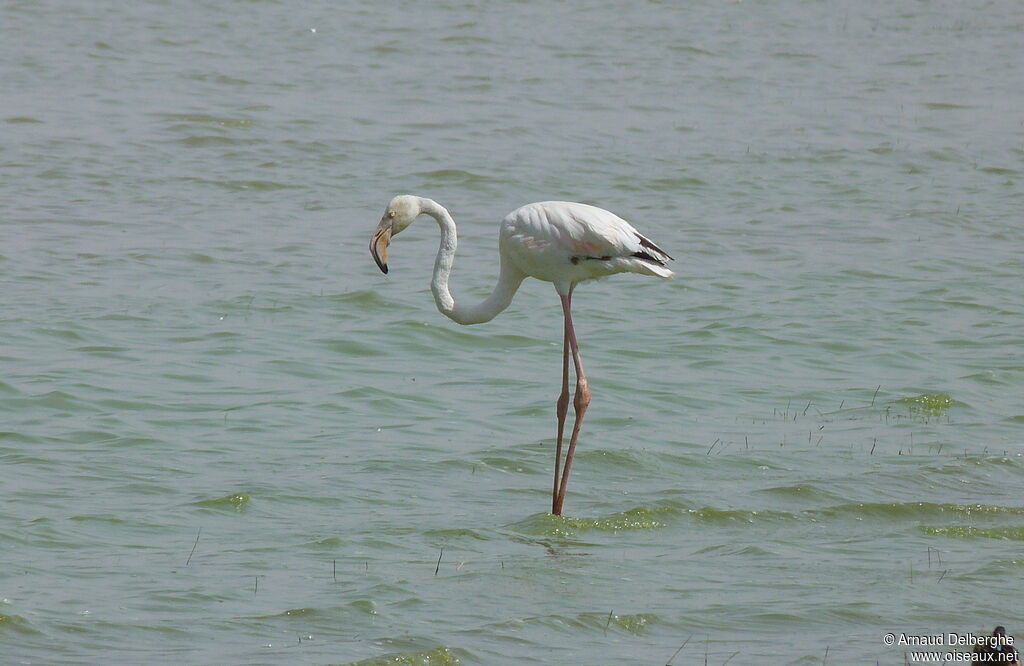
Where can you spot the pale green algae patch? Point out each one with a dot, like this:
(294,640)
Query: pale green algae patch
(236,502)
(929,403)
(967,531)
(636,623)
(435,657)
(919,510)
(640,518)
(15,623)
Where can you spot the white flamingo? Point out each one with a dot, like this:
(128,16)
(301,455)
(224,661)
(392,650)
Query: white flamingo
(557,241)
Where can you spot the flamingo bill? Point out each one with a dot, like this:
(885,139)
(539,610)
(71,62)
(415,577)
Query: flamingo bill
(379,247)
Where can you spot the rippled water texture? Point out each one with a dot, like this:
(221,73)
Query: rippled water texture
(227,438)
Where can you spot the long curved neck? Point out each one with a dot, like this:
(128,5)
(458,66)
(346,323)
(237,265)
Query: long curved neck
(509,279)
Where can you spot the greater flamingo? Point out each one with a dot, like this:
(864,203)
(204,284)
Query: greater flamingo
(557,241)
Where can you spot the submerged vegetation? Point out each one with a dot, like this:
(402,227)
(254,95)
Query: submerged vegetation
(639,518)
(437,657)
(235,501)
(970,531)
(932,404)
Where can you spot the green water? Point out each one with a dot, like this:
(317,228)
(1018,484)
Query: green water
(226,437)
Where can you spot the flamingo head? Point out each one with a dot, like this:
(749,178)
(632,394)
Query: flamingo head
(400,213)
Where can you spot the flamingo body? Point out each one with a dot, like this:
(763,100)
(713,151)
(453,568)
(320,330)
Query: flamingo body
(566,243)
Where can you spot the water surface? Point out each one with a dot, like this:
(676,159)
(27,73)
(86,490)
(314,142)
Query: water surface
(227,438)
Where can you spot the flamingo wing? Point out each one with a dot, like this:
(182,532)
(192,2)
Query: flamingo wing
(565,241)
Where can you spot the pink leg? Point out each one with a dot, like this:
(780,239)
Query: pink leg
(580,401)
(562,406)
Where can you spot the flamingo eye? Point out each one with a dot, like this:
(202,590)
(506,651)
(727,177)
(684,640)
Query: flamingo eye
(391,213)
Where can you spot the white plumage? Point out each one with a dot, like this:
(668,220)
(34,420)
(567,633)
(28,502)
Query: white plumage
(566,243)
(560,242)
